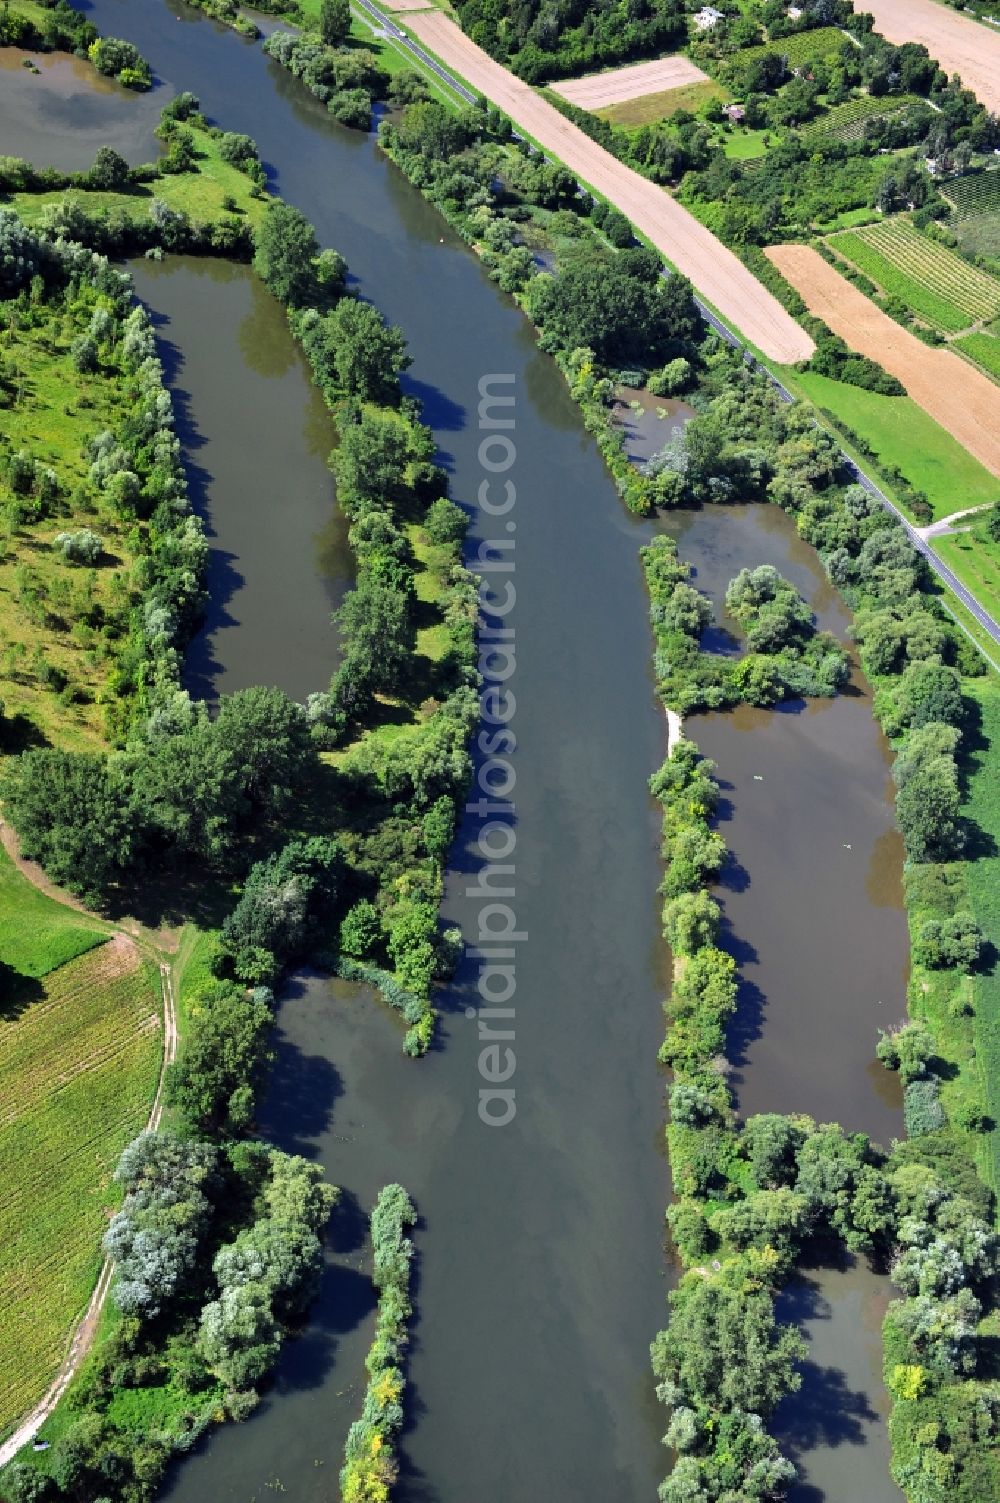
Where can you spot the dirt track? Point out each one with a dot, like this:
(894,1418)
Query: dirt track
(954,394)
(717,274)
(960,45)
(619,84)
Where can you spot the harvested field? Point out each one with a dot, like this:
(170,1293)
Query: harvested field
(403,5)
(716,273)
(78,1069)
(958,397)
(615,85)
(959,44)
(648,109)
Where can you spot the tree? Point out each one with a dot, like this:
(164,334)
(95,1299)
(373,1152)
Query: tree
(266,737)
(285,899)
(224,1057)
(239,1336)
(691,922)
(154,1238)
(110,171)
(724,1348)
(432,130)
(286,247)
(369,354)
(771,1142)
(370,461)
(376,626)
(83,352)
(75,814)
(334,22)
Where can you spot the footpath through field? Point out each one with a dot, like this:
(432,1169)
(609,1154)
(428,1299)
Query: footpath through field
(718,275)
(960,45)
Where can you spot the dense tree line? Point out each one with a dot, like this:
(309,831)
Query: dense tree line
(546,41)
(370,1462)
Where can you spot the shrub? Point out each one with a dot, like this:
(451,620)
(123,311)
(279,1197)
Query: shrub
(83,547)
(922,1110)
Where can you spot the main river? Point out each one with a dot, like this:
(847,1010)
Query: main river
(542,1271)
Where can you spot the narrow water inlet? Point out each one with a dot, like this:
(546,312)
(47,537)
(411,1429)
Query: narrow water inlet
(256,435)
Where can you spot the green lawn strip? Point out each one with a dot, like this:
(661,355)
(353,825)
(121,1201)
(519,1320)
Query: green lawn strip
(983,874)
(929,305)
(975,558)
(984,349)
(37,934)
(904,435)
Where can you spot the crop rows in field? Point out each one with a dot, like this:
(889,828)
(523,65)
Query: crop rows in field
(984,349)
(979,193)
(78,1070)
(931,279)
(846,122)
(799,48)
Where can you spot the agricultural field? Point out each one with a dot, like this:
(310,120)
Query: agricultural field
(932,280)
(79,1063)
(976,218)
(984,349)
(692,97)
(800,48)
(617,85)
(846,122)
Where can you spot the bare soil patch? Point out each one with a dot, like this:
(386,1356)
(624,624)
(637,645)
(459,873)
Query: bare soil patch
(960,45)
(615,85)
(954,394)
(718,275)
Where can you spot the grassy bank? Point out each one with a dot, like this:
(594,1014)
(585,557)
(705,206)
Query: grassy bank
(903,436)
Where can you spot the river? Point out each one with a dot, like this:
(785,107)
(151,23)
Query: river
(542,1271)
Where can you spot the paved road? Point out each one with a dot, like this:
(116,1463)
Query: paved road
(944,574)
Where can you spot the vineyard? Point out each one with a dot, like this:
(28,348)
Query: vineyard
(984,349)
(78,1071)
(799,48)
(937,284)
(847,121)
(978,193)
(976,221)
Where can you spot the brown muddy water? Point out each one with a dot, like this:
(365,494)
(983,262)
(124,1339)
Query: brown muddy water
(256,436)
(812,896)
(648,422)
(59,116)
(542,1272)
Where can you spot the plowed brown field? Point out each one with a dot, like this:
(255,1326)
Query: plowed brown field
(960,45)
(945,386)
(618,84)
(716,273)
